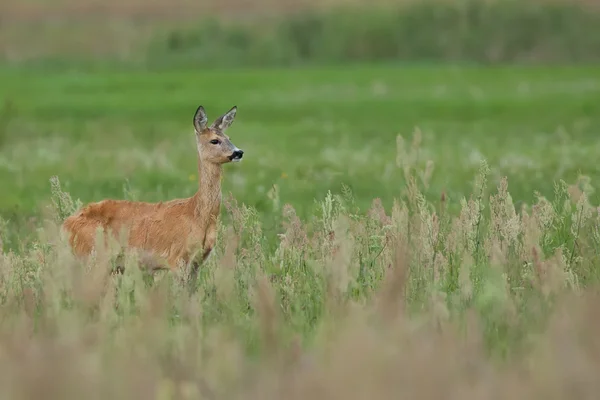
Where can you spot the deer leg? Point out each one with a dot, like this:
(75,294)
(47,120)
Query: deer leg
(193,277)
(119,264)
(199,259)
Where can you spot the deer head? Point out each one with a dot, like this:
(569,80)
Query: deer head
(213,144)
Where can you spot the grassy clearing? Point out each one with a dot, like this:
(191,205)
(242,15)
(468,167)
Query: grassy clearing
(457,283)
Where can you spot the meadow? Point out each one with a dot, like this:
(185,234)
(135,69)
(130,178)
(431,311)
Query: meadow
(392,230)
(128,134)
(416,214)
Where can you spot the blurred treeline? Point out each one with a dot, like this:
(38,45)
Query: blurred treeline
(269,33)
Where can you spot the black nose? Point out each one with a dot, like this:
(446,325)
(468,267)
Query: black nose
(237,155)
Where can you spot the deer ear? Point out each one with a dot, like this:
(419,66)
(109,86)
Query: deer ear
(225,121)
(200,120)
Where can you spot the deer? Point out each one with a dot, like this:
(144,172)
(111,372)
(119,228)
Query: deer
(180,233)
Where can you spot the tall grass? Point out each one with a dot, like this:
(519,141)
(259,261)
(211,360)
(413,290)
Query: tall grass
(416,301)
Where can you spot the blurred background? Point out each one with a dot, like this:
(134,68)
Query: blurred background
(265,33)
(101,94)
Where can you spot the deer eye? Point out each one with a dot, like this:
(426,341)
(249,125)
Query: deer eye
(215,141)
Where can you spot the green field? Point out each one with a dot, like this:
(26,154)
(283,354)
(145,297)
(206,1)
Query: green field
(323,308)
(306,130)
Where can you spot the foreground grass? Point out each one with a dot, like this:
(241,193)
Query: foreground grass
(408,301)
(307,131)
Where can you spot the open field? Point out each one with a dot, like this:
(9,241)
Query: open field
(419,227)
(305,131)
(461,288)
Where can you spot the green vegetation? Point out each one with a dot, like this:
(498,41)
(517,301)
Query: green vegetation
(463,31)
(128,134)
(466,31)
(402,231)
(447,238)
(454,289)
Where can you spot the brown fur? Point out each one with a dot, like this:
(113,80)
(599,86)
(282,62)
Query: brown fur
(178,231)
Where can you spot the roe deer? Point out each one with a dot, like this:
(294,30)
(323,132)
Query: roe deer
(178,232)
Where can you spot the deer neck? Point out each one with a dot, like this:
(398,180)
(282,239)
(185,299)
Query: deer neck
(207,200)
